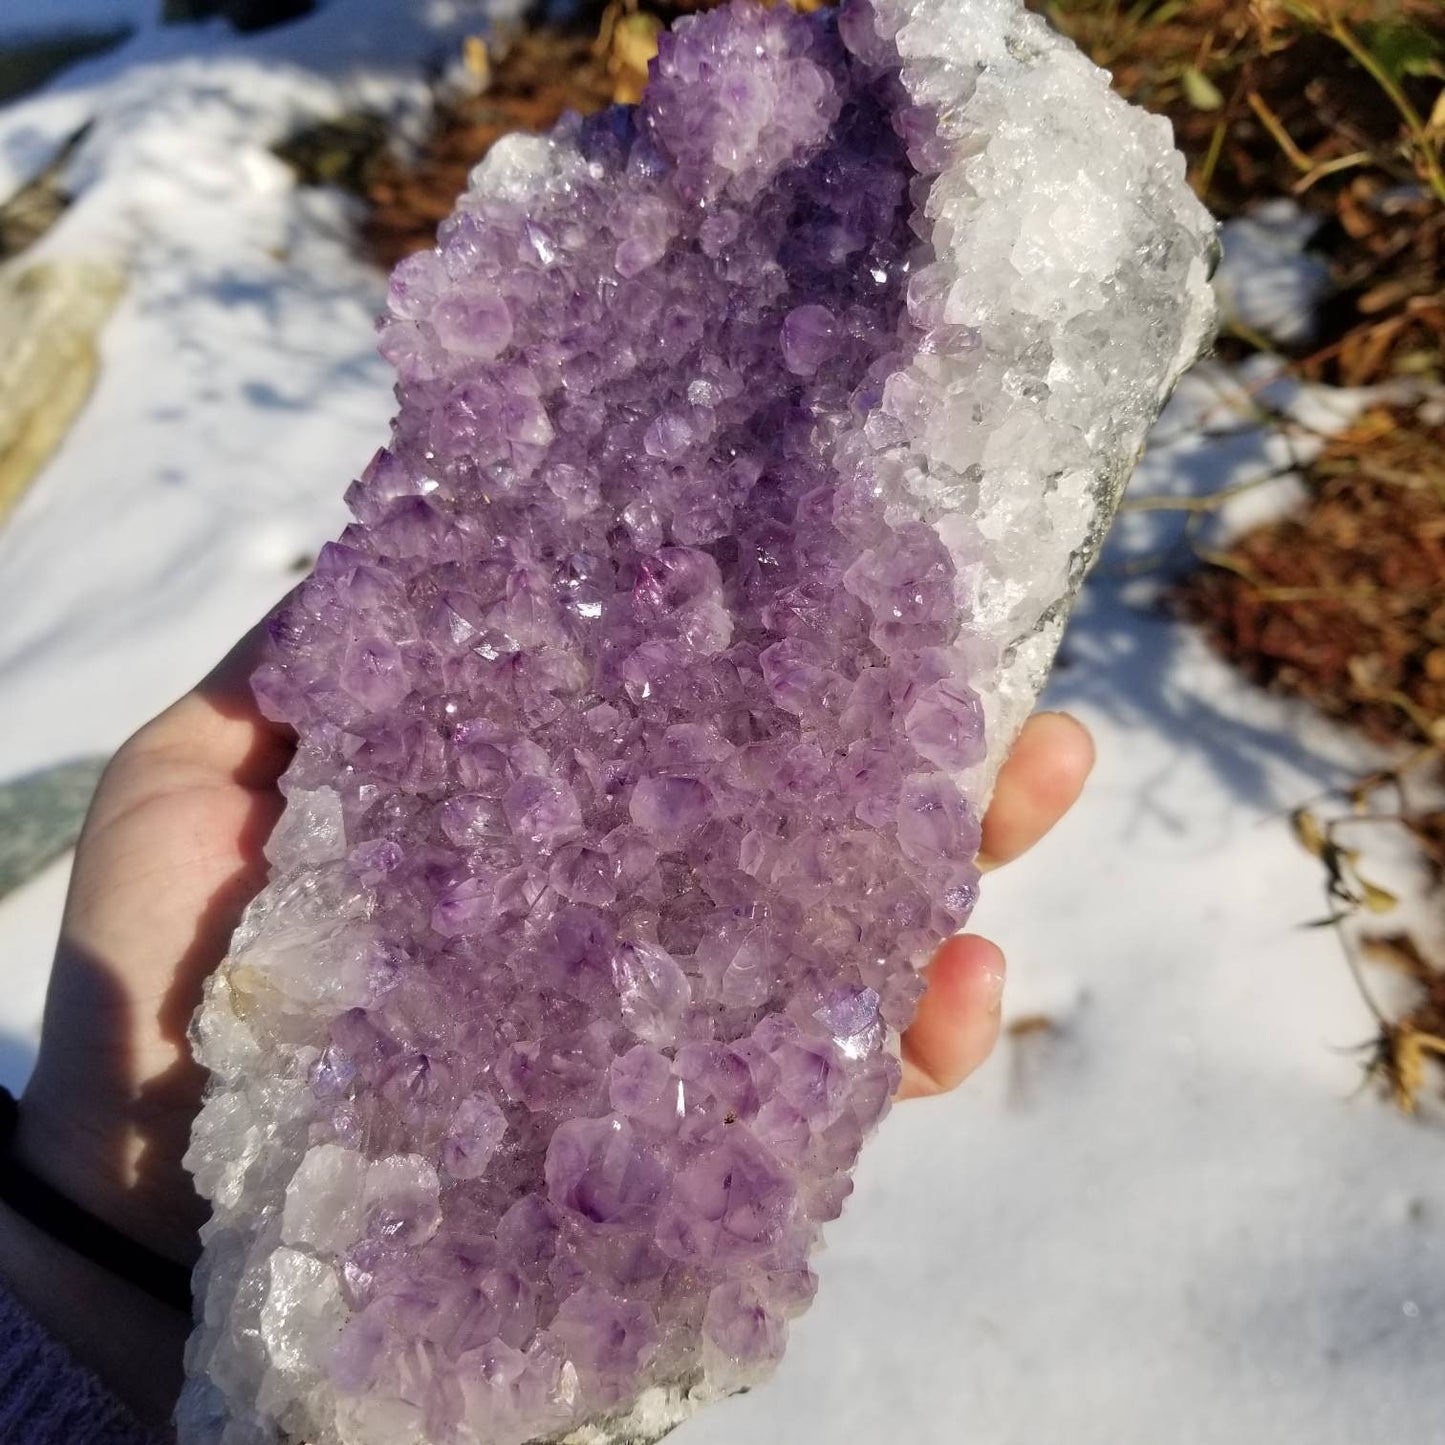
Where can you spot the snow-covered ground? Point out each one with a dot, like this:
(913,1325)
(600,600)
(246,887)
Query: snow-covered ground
(1163,1218)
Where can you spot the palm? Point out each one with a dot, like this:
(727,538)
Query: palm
(171,854)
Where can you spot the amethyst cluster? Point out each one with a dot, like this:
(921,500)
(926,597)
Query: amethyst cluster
(642,717)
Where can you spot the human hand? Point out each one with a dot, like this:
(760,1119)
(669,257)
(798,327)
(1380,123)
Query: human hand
(172,853)
(957,1023)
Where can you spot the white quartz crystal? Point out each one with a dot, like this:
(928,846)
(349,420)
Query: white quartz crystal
(1066,236)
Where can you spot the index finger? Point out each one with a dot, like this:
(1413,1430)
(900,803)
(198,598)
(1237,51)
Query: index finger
(1040,782)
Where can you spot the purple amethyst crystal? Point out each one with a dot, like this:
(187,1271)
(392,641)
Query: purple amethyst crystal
(750,446)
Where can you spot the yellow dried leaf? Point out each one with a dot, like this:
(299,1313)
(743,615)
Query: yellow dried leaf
(1199,90)
(478,60)
(1405,1067)
(1310,834)
(1365,673)
(633,49)
(1375,898)
(1031,1024)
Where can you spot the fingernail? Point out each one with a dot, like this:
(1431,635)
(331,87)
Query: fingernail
(994,976)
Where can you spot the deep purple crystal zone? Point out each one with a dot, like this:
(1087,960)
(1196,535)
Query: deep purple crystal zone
(644,722)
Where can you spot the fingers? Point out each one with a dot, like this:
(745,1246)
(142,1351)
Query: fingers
(1038,784)
(957,1023)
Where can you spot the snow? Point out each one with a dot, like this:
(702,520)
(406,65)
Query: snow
(1166,1215)
(1267,281)
(1234,437)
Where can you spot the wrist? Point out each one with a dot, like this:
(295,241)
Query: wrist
(32,1192)
(103,1158)
(132,1343)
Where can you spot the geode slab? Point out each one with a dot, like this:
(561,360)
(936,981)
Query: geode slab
(751,447)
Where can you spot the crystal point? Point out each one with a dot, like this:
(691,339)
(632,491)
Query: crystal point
(751,447)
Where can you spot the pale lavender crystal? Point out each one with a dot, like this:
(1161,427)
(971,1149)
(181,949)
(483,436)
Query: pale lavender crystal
(645,712)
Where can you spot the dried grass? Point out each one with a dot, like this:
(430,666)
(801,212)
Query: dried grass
(1343,602)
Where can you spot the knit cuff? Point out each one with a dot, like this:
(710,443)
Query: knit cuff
(46,1398)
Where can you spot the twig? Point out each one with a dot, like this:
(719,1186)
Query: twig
(1275,126)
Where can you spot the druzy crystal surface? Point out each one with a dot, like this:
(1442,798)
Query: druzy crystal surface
(751,445)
